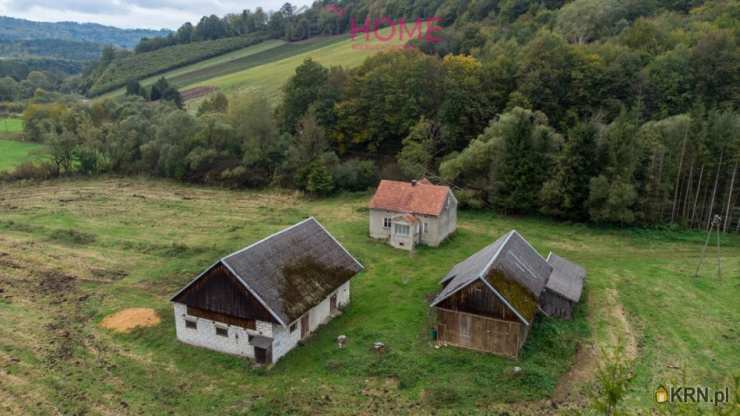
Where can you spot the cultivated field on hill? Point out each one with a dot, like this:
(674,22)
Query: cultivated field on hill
(265,67)
(74,252)
(268,78)
(141,65)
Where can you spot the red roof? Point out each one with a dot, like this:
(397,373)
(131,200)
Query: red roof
(422,198)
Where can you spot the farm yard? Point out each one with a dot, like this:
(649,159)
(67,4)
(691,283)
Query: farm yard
(82,261)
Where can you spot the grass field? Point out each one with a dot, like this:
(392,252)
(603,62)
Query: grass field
(13,153)
(11,125)
(75,251)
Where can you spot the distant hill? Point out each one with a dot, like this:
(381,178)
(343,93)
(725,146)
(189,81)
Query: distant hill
(12,29)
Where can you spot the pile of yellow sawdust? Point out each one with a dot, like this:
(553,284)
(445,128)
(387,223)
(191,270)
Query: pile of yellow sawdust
(128,319)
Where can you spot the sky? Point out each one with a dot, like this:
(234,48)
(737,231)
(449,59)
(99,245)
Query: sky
(148,14)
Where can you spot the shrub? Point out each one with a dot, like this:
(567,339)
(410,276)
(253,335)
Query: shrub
(72,236)
(355,175)
(31,170)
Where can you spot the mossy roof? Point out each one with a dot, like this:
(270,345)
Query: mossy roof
(513,257)
(293,270)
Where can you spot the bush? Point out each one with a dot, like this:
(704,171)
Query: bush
(72,236)
(31,170)
(355,175)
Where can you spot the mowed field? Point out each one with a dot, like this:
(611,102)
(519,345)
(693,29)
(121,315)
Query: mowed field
(73,252)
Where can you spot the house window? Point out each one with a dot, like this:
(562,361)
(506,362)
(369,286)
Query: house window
(189,323)
(222,332)
(387,222)
(426,227)
(402,229)
(293,327)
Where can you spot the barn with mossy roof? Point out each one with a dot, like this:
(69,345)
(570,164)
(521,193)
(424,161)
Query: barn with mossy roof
(260,301)
(488,302)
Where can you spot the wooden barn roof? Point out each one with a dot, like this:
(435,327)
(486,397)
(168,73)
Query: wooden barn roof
(420,198)
(292,270)
(514,257)
(566,278)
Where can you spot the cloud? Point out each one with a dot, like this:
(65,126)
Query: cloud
(152,14)
(81,6)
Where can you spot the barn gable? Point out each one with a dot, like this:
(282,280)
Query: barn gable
(218,290)
(510,268)
(288,272)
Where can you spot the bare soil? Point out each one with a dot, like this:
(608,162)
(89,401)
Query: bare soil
(569,387)
(128,319)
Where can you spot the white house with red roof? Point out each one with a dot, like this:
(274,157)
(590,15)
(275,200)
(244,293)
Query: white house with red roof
(407,214)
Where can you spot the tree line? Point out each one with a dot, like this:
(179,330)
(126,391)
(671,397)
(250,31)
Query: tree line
(620,113)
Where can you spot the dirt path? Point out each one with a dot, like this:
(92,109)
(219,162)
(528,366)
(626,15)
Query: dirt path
(569,388)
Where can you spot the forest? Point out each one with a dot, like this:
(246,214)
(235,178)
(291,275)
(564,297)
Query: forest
(618,112)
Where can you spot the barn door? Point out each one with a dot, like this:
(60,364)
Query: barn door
(260,355)
(304,325)
(333,304)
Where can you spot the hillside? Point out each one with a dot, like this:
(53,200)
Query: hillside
(77,251)
(142,65)
(13,29)
(265,67)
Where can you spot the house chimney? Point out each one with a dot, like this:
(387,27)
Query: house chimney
(413,182)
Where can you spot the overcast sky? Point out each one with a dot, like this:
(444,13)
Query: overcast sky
(152,14)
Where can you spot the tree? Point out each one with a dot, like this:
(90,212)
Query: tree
(8,89)
(62,150)
(565,195)
(319,180)
(582,21)
(385,97)
(612,194)
(301,90)
(133,87)
(216,103)
(162,90)
(262,147)
(509,161)
(465,109)
(416,158)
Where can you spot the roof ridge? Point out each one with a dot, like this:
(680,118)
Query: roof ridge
(269,237)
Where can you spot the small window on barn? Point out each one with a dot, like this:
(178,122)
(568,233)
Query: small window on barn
(387,222)
(426,227)
(222,332)
(293,327)
(191,324)
(402,229)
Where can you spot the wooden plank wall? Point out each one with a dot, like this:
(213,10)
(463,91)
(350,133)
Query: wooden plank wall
(555,305)
(480,333)
(220,317)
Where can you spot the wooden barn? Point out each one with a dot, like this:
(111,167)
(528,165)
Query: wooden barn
(259,302)
(563,289)
(488,302)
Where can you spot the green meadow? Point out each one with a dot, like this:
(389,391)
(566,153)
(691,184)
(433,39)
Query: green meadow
(75,251)
(13,152)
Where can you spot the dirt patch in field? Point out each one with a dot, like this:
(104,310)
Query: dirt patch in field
(197,92)
(584,369)
(128,319)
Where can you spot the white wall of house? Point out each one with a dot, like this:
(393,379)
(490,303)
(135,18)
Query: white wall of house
(286,340)
(438,227)
(237,343)
(204,335)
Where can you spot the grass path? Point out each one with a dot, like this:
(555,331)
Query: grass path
(73,252)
